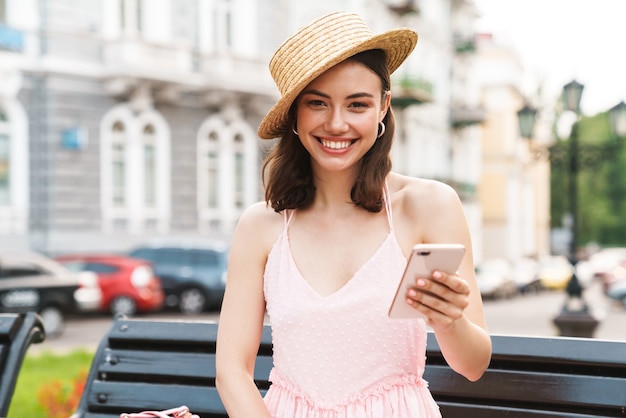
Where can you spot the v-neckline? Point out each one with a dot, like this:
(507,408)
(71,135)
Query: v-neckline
(347,284)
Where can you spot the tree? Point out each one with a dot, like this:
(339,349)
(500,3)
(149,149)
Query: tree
(601,183)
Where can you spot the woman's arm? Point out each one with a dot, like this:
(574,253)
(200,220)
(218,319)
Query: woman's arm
(241,317)
(456,315)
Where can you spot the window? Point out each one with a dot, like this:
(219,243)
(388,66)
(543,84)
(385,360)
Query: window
(131,16)
(200,258)
(123,15)
(101,268)
(222,24)
(135,171)
(21,271)
(239,171)
(139,15)
(149,166)
(227,173)
(118,163)
(212,170)
(5,161)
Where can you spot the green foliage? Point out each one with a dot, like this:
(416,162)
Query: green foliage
(601,183)
(46,370)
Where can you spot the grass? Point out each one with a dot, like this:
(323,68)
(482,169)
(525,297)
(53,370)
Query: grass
(51,371)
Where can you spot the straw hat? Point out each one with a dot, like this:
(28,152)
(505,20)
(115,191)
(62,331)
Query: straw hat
(319,46)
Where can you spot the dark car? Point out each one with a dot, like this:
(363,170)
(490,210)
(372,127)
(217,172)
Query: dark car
(128,284)
(192,273)
(617,291)
(33,282)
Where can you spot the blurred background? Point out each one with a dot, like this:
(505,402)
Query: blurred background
(130,125)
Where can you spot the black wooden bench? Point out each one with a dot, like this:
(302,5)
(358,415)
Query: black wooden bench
(144,364)
(17,333)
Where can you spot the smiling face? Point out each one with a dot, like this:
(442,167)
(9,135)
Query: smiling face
(338,115)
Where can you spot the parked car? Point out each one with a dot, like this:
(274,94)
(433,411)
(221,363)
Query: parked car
(128,284)
(617,291)
(524,272)
(495,280)
(616,276)
(33,282)
(604,261)
(192,272)
(555,272)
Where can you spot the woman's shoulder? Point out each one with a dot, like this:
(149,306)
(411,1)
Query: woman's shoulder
(425,210)
(261,214)
(419,192)
(260,221)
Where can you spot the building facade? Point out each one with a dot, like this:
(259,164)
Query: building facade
(123,120)
(515,178)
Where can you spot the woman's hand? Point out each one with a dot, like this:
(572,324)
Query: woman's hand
(442,298)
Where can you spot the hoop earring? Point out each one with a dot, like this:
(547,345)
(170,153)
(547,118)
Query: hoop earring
(381,129)
(294,128)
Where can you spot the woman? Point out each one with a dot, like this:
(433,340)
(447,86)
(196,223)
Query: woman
(324,254)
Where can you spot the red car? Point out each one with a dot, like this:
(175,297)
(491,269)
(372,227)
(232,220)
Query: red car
(128,285)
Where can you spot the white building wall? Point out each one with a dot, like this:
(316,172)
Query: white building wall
(164,58)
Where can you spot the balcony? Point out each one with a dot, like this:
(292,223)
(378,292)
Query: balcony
(190,70)
(137,56)
(464,44)
(11,39)
(409,90)
(466,116)
(403,7)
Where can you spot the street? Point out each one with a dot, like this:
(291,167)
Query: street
(532,314)
(529,315)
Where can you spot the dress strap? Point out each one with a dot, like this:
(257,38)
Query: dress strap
(387,199)
(288,216)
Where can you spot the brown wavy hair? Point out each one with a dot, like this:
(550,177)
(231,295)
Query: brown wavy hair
(287,174)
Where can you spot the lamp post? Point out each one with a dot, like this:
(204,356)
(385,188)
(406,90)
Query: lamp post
(572,93)
(574,321)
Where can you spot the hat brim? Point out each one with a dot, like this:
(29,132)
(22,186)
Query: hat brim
(397,44)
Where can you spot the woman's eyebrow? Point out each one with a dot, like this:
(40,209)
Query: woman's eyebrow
(352,96)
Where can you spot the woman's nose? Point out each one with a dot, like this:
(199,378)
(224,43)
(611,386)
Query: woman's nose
(336,122)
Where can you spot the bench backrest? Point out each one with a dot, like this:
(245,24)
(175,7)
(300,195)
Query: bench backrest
(17,332)
(147,365)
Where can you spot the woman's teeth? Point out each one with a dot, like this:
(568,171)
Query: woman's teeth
(336,144)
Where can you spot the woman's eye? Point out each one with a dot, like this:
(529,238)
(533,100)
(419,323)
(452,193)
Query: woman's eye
(315,103)
(359,105)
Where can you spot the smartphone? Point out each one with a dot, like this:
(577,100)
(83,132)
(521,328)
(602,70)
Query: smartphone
(424,259)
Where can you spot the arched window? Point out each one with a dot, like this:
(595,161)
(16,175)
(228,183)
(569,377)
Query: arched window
(14,170)
(118,164)
(135,150)
(227,173)
(5,160)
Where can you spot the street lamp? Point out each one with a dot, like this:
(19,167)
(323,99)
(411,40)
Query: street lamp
(617,115)
(574,322)
(526,117)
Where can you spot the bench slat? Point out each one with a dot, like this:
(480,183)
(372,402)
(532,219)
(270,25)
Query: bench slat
(131,397)
(142,366)
(489,411)
(152,334)
(540,352)
(531,389)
